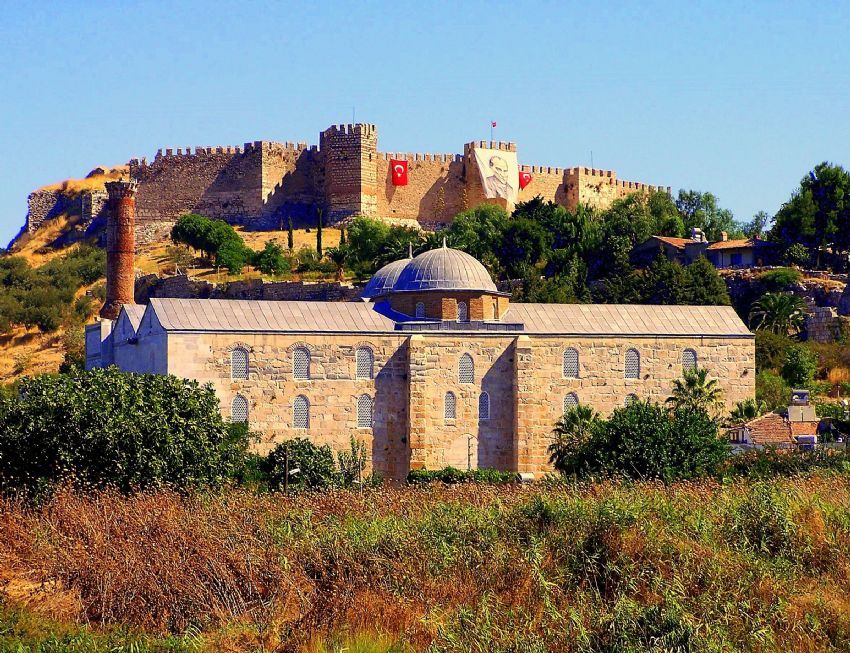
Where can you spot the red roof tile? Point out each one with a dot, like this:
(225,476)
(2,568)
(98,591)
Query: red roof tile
(770,429)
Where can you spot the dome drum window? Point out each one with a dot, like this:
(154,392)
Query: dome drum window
(462,312)
(301,413)
(420,309)
(239,410)
(632,369)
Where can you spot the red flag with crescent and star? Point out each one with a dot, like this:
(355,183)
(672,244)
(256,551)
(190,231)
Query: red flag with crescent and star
(524,179)
(398,169)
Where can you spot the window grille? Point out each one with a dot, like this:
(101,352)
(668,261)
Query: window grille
(632,364)
(364,412)
(466,369)
(450,406)
(301,363)
(420,309)
(571,363)
(301,413)
(689,360)
(570,402)
(365,363)
(239,410)
(630,399)
(462,312)
(484,406)
(239,364)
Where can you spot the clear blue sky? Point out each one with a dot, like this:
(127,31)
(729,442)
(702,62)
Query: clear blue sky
(738,98)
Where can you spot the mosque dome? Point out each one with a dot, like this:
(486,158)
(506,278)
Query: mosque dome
(384,279)
(444,269)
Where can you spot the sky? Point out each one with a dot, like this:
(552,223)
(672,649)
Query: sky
(737,98)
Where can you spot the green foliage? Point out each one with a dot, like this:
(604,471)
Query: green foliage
(799,367)
(290,235)
(570,438)
(646,441)
(695,391)
(105,427)
(215,238)
(779,279)
(705,286)
(451,476)
(817,215)
(700,210)
(747,410)
(772,390)
(233,255)
(798,254)
(270,259)
(770,462)
(352,462)
(319,232)
(770,350)
(782,313)
(315,465)
(44,297)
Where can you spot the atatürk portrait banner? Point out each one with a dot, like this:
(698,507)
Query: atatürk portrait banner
(499,173)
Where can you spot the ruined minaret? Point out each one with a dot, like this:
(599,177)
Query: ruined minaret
(120,247)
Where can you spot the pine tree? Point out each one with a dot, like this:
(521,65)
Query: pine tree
(704,286)
(319,232)
(342,237)
(290,236)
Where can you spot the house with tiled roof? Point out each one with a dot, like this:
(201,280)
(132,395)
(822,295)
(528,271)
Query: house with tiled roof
(724,253)
(796,426)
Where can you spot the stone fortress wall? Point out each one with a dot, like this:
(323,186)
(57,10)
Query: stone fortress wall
(262,184)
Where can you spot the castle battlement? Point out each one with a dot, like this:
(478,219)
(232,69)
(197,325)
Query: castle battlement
(491,145)
(543,170)
(417,156)
(349,129)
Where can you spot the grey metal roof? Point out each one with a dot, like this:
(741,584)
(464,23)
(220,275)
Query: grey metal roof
(134,314)
(444,269)
(243,315)
(627,319)
(384,279)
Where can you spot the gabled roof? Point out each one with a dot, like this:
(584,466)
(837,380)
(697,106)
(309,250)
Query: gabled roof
(738,244)
(627,319)
(678,243)
(134,312)
(804,428)
(770,429)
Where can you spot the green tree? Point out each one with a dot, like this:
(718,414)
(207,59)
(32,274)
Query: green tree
(309,465)
(781,313)
(756,227)
(233,255)
(319,232)
(105,427)
(339,256)
(270,260)
(818,213)
(747,410)
(771,390)
(666,282)
(290,236)
(695,391)
(700,210)
(770,349)
(570,437)
(799,367)
(704,286)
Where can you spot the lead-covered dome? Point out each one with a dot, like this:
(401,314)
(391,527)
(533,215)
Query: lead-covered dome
(384,279)
(444,269)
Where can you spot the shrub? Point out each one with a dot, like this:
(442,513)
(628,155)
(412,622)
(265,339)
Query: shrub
(772,390)
(270,260)
(799,367)
(770,350)
(764,463)
(315,465)
(779,279)
(452,475)
(105,427)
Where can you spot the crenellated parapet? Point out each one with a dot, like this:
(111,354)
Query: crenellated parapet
(417,156)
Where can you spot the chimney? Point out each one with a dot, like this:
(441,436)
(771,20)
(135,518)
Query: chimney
(724,236)
(120,246)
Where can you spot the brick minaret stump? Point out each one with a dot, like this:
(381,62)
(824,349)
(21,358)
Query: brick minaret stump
(120,247)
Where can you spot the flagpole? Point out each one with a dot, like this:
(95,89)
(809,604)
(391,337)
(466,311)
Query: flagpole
(491,130)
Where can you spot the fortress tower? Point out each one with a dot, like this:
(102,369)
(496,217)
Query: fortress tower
(351,170)
(120,246)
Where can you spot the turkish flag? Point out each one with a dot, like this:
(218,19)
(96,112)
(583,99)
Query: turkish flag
(398,169)
(524,179)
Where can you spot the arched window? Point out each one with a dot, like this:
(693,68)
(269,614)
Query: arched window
(484,406)
(632,364)
(450,406)
(365,363)
(301,413)
(570,402)
(462,312)
(239,410)
(301,363)
(466,369)
(630,399)
(493,309)
(570,363)
(364,412)
(689,360)
(239,363)
(420,309)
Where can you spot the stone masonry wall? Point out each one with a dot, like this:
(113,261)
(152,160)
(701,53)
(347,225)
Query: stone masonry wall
(47,204)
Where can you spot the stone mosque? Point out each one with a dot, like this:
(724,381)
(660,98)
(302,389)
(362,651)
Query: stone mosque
(434,366)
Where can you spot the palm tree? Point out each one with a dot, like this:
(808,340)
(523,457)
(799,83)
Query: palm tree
(746,410)
(569,436)
(695,391)
(339,256)
(779,313)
